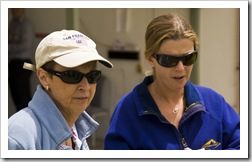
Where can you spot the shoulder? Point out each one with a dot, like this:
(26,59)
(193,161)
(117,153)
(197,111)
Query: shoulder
(207,96)
(137,96)
(23,121)
(125,100)
(126,104)
(208,92)
(212,100)
(203,90)
(23,129)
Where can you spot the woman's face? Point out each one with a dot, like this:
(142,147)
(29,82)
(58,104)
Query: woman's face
(173,78)
(72,98)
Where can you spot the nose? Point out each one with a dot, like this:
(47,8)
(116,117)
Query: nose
(84,85)
(179,66)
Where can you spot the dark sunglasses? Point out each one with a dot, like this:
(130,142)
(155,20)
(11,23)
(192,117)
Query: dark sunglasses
(166,60)
(74,77)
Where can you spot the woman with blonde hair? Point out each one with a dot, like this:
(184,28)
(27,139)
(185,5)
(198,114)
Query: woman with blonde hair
(167,111)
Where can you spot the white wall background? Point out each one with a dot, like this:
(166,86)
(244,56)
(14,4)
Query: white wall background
(219,52)
(219,46)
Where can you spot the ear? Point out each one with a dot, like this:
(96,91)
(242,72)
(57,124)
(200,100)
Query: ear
(43,77)
(150,60)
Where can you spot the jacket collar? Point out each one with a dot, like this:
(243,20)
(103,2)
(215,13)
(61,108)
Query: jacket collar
(42,105)
(146,103)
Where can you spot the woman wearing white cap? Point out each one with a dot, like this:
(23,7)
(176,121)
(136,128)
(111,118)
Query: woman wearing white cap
(55,118)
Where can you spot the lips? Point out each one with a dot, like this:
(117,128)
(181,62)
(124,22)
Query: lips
(81,98)
(179,77)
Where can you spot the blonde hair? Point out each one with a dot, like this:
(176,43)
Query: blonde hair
(167,27)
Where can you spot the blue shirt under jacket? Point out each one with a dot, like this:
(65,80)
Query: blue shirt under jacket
(208,122)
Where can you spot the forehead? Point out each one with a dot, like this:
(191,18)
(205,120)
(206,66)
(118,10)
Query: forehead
(180,46)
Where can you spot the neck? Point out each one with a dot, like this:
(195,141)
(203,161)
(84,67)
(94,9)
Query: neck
(166,94)
(69,117)
(70,121)
(168,101)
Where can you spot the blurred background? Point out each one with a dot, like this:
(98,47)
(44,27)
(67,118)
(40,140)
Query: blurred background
(119,35)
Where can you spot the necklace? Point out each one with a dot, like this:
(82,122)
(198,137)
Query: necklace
(175,111)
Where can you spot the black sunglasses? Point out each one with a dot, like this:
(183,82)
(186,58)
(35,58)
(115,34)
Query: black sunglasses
(74,77)
(166,60)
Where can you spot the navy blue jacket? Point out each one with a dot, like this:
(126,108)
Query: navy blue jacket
(208,122)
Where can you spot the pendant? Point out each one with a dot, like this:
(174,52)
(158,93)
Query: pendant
(175,111)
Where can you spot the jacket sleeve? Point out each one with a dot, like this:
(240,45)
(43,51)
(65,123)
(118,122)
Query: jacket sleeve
(115,139)
(229,119)
(14,145)
(231,128)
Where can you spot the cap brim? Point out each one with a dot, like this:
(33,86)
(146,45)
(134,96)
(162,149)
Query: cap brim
(78,58)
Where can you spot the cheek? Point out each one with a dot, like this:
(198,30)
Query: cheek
(61,93)
(163,72)
(189,71)
(92,92)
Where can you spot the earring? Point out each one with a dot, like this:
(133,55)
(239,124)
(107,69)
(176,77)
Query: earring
(47,88)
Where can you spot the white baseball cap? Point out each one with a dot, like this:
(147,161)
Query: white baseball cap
(68,48)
